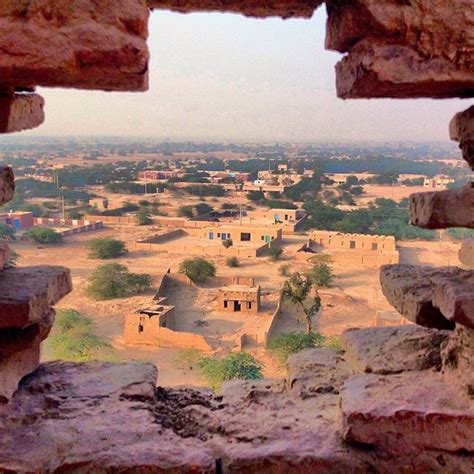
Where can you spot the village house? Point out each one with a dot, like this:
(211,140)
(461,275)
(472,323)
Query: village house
(239,298)
(438,182)
(18,220)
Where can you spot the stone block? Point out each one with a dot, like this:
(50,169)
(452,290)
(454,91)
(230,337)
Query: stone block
(5,254)
(431,297)
(27,293)
(442,209)
(402,49)
(254,8)
(466,253)
(86,44)
(461,129)
(7,184)
(408,412)
(21,112)
(391,350)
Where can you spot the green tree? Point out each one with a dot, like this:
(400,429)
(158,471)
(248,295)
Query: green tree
(43,235)
(106,248)
(116,281)
(297,290)
(6,232)
(321,275)
(255,196)
(186,211)
(275,253)
(197,269)
(143,216)
(203,208)
(287,344)
(227,243)
(232,262)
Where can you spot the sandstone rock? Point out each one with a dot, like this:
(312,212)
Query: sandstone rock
(408,412)
(88,44)
(317,371)
(27,293)
(7,184)
(461,129)
(466,253)
(5,254)
(255,8)
(431,297)
(402,49)
(21,112)
(392,350)
(458,359)
(441,209)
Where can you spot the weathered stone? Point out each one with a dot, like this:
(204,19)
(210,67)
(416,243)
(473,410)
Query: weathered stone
(441,209)
(255,8)
(392,350)
(407,412)
(21,112)
(458,359)
(316,371)
(5,254)
(402,49)
(27,293)
(14,366)
(87,44)
(431,297)
(461,129)
(466,253)
(7,184)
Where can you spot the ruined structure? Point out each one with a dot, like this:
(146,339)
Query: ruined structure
(395,400)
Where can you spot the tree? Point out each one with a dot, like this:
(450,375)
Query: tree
(197,269)
(275,253)
(116,281)
(105,248)
(74,214)
(321,275)
(6,232)
(186,211)
(352,180)
(203,208)
(227,243)
(255,196)
(143,216)
(287,344)
(43,235)
(232,262)
(297,290)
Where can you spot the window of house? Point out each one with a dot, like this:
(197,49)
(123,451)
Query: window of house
(375,246)
(245,236)
(352,244)
(250,305)
(225,303)
(140,328)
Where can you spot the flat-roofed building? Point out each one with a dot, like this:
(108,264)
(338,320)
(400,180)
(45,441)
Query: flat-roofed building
(239,298)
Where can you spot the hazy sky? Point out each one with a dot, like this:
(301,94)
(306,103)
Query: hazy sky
(215,76)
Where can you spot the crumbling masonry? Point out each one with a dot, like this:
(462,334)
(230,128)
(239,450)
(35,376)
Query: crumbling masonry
(393,400)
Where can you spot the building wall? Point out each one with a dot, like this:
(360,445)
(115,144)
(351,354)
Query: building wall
(245,298)
(18,220)
(257,234)
(341,241)
(112,219)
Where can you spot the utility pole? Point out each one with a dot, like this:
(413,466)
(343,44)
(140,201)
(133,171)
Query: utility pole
(241,214)
(63,207)
(146,182)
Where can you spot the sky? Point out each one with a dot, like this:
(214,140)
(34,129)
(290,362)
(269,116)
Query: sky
(226,77)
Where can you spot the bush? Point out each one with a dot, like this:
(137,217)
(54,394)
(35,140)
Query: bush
(197,269)
(6,232)
(188,359)
(203,208)
(43,235)
(116,281)
(186,211)
(237,365)
(275,253)
(106,248)
(321,275)
(227,243)
(287,344)
(11,262)
(72,339)
(232,262)
(284,270)
(143,217)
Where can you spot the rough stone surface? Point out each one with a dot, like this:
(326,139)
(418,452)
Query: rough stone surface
(21,112)
(466,253)
(88,44)
(458,359)
(314,371)
(255,8)
(27,293)
(7,184)
(461,129)
(441,209)
(392,350)
(431,297)
(402,49)
(5,254)
(408,412)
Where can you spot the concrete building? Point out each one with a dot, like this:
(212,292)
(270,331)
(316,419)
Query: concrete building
(438,182)
(18,220)
(239,298)
(243,233)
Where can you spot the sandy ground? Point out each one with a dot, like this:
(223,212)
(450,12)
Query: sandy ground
(397,193)
(351,302)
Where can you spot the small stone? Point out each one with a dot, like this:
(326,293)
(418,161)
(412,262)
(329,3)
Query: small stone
(442,209)
(21,112)
(391,350)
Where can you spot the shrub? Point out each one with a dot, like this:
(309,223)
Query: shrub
(186,211)
(187,359)
(284,270)
(74,214)
(321,275)
(11,262)
(6,232)
(227,243)
(237,365)
(197,269)
(203,208)
(116,281)
(143,216)
(43,235)
(287,344)
(106,248)
(72,339)
(275,253)
(232,262)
